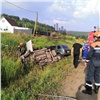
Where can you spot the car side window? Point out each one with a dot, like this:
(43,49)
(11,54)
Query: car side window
(54,47)
(58,47)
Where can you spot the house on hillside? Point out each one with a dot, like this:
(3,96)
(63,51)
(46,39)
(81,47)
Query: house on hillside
(9,25)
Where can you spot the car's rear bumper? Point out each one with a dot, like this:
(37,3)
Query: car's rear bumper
(66,54)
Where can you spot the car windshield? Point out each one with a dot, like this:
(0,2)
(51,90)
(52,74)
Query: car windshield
(65,47)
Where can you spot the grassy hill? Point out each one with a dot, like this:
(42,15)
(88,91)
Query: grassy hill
(41,27)
(78,34)
(24,22)
(19,85)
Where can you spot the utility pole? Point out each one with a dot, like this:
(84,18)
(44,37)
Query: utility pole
(35,26)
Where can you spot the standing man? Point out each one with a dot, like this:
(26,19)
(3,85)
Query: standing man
(93,68)
(76,52)
(83,46)
(85,52)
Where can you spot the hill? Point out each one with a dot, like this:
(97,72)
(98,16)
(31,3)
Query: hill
(24,22)
(78,34)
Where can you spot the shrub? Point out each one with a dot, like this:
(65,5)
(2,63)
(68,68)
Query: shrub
(8,70)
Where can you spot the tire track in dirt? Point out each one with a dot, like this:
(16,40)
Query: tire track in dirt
(74,84)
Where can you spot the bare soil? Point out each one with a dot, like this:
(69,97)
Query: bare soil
(74,84)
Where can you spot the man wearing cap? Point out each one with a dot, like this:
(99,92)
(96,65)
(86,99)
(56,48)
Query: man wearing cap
(93,63)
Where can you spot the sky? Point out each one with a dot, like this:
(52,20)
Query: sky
(73,15)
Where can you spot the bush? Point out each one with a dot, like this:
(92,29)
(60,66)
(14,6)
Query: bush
(8,70)
(40,81)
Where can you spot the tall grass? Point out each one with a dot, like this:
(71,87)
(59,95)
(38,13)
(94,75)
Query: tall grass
(18,85)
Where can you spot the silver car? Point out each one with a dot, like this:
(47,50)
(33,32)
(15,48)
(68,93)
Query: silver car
(61,50)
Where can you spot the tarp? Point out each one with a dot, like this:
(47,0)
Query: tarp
(29,46)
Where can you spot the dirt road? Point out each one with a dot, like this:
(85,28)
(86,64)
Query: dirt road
(74,84)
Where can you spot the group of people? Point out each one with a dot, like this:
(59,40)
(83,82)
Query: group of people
(91,56)
(93,66)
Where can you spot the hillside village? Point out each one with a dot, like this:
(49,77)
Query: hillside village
(13,24)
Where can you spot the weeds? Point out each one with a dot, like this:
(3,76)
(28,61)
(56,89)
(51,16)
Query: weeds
(19,85)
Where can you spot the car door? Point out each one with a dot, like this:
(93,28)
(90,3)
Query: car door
(59,49)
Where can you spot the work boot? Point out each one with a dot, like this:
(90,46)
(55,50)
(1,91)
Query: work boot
(88,90)
(96,89)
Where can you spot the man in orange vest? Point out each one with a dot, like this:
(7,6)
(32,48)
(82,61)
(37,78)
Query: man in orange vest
(93,63)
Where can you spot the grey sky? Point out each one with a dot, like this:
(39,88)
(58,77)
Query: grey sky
(78,15)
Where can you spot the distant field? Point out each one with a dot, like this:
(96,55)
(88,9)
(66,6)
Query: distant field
(78,33)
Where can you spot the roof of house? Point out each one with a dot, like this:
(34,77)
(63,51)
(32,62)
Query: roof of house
(11,21)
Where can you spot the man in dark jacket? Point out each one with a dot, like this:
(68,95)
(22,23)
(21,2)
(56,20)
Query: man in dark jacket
(93,68)
(76,52)
(21,49)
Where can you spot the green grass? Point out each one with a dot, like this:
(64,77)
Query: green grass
(18,85)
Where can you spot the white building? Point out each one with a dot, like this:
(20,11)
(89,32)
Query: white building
(9,25)
(56,27)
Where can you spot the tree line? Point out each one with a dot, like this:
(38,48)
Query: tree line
(24,22)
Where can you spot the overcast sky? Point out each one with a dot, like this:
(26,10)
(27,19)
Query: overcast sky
(76,15)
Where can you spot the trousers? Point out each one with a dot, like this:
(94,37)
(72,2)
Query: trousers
(93,72)
(75,60)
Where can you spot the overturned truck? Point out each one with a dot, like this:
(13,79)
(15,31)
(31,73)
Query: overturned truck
(41,57)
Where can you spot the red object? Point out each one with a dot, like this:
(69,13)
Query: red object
(90,38)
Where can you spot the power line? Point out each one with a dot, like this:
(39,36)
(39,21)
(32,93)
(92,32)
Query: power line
(28,11)
(20,7)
